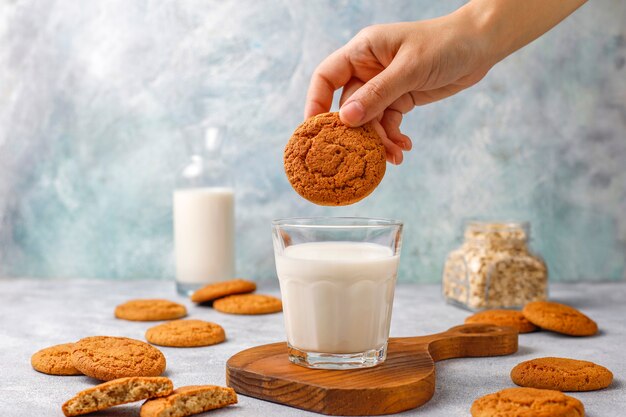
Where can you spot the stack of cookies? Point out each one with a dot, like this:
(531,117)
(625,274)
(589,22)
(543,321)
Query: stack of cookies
(543,379)
(101,357)
(234,297)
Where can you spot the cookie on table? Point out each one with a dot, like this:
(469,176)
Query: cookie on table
(186,333)
(527,402)
(107,358)
(55,360)
(116,392)
(186,401)
(248,304)
(511,318)
(331,164)
(559,318)
(222,289)
(561,374)
(150,310)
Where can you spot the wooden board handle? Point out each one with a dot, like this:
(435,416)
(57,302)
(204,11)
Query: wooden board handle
(468,340)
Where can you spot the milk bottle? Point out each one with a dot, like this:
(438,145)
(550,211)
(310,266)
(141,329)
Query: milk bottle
(204,221)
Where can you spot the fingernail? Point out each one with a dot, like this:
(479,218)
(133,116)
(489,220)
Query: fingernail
(352,113)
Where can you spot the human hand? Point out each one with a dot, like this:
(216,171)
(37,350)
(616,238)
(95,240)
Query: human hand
(387,70)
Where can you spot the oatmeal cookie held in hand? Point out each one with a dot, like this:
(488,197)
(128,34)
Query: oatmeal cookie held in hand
(331,164)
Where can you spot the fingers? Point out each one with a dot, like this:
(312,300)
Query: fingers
(393,151)
(391,123)
(334,72)
(375,96)
(404,104)
(349,89)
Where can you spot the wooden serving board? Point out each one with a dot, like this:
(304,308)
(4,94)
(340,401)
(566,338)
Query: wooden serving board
(404,381)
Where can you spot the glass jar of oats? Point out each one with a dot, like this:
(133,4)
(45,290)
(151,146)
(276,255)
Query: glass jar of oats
(494,268)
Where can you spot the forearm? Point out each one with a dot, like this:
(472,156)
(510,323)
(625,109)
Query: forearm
(508,25)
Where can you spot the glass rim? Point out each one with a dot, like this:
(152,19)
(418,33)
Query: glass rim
(336,222)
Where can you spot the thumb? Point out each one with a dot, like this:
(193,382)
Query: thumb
(375,95)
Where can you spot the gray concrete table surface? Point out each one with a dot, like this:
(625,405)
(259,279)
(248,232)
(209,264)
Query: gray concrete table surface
(38,313)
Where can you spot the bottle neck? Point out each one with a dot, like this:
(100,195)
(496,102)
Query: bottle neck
(206,166)
(205,142)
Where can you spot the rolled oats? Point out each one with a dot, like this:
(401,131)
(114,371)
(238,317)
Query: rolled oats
(494,268)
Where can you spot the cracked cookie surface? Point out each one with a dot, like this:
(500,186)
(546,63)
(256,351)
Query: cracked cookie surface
(55,360)
(248,304)
(527,402)
(186,333)
(216,290)
(559,318)
(499,317)
(150,310)
(561,374)
(107,358)
(331,164)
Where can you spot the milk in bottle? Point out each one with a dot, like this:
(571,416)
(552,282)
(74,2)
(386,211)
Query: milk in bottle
(204,219)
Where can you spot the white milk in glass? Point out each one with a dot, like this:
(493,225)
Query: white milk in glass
(204,234)
(337,296)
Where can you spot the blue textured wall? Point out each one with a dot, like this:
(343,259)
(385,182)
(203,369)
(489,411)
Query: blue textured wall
(94,95)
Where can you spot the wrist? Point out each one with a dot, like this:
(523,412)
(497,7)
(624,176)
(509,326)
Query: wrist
(504,26)
(482,28)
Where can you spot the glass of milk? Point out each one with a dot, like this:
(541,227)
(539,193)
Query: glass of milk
(337,278)
(204,213)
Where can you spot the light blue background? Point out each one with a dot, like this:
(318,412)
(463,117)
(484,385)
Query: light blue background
(94,94)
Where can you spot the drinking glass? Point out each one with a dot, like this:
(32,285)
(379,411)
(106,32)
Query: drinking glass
(337,279)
